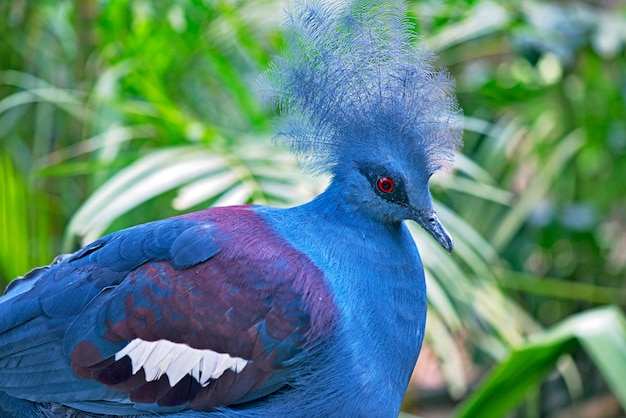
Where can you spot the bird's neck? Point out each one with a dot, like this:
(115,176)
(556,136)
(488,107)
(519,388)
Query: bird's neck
(376,277)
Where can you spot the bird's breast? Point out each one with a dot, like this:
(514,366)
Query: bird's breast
(376,279)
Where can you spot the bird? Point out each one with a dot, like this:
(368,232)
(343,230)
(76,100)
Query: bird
(316,310)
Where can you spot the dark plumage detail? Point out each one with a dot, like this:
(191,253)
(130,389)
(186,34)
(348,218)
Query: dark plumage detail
(386,184)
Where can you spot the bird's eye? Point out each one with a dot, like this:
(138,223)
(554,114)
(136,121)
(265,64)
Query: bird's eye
(385,185)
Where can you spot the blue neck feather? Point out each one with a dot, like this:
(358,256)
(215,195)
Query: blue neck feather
(376,276)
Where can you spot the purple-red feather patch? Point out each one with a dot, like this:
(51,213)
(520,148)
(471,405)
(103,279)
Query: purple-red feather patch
(255,297)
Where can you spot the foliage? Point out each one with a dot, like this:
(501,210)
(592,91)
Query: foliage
(117,113)
(600,332)
(542,85)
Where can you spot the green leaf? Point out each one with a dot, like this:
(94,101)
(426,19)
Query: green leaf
(560,289)
(539,187)
(486,20)
(148,177)
(600,332)
(19,221)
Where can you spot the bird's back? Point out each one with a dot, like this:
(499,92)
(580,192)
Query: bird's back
(105,323)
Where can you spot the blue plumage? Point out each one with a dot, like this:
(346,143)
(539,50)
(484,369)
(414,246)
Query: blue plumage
(353,85)
(253,311)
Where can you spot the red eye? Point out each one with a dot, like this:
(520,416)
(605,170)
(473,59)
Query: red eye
(385,185)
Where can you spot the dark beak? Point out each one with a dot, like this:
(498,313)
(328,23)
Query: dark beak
(429,221)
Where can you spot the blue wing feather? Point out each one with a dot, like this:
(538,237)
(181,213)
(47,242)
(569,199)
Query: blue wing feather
(216,280)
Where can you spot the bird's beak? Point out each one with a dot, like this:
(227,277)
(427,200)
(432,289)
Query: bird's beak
(429,221)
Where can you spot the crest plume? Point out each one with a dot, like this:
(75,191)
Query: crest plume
(352,82)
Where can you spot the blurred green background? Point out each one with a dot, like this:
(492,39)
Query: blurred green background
(114,113)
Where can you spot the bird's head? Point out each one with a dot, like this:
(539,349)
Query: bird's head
(391,189)
(359,100)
